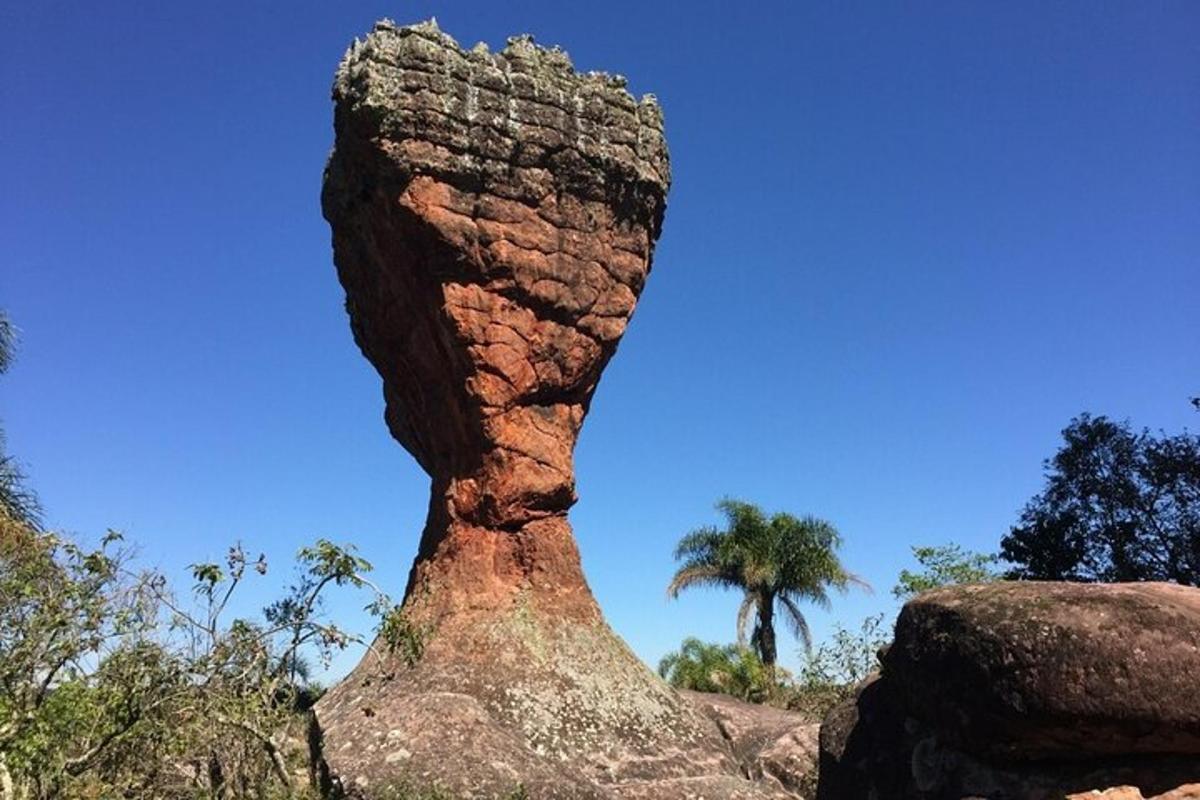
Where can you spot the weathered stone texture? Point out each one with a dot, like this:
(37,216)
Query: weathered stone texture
(494,218)
(775,746)
(1025,691)
(1054,670)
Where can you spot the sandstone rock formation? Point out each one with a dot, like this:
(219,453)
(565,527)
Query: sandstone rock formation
(772,745)
(1189,792)
(494,217)
(1026,690)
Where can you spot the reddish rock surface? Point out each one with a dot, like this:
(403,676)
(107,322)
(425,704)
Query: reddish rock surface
(494,217)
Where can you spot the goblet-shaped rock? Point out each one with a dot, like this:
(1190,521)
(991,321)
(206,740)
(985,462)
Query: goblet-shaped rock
(494,217)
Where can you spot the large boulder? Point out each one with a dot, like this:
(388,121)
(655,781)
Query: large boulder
(865,750)
(1025,691)
(1023,671)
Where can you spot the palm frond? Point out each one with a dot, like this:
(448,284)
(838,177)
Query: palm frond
(666,664)
(701,541)
(796,621)
(853,579)
(747,522)
(697,575)
(16,501)
(749,603)
(817,595)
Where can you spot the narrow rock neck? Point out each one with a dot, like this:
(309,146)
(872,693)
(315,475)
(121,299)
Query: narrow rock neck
(464,567)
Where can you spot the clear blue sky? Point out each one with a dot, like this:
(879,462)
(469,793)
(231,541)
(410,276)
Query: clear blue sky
(906,243)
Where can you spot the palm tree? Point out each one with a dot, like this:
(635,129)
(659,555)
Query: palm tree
(777,562)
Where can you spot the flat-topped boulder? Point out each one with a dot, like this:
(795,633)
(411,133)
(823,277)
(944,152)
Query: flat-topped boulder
(1026,691)
(1024,670)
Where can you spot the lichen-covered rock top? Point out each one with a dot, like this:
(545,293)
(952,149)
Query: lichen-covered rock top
(480,114)
(1053,670)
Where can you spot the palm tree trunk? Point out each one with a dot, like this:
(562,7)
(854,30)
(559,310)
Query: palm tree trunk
(766,632)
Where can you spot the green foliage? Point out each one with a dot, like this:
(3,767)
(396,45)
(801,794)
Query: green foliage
(834,669)
(111,686)
(8,342)
(16,501)
(727,669)
(830,674)
(947,565)
(848,657)
(69,632)
(777,562)
(1118,505)
(400,636)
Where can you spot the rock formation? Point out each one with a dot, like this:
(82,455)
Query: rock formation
(494,217)
(1022,691)
(1188,792)
(772,745)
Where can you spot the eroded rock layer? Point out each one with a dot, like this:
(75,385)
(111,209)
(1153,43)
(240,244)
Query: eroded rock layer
(494,218)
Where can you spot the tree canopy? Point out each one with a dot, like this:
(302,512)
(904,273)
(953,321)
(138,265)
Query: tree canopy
(1118,505)
(944,565)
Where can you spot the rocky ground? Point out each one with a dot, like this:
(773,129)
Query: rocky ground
(450,740)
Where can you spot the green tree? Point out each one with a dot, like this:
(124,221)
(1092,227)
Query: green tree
(777,562)
(946,565)
(1118,505)
(728,669)
(63,610)
(16,501)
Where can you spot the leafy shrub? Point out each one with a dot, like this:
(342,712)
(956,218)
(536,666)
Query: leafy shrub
(112,686)
(833,671)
